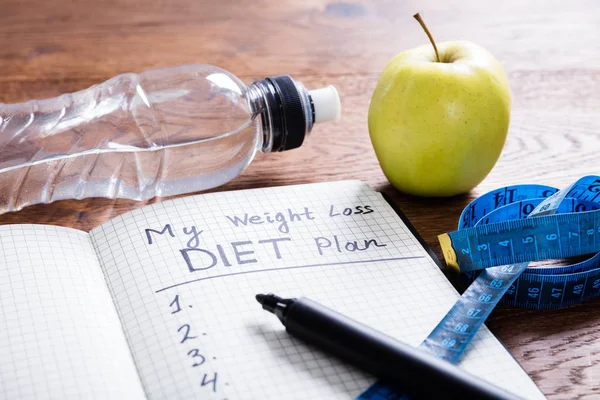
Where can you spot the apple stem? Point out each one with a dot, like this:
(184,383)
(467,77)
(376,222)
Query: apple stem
(417,16)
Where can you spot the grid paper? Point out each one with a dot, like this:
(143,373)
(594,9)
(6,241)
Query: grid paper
(60,336)
(228,334)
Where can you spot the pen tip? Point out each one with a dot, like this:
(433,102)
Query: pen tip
(269,301)
(261,298)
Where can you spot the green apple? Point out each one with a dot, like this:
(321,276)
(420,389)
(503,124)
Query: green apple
(438,125)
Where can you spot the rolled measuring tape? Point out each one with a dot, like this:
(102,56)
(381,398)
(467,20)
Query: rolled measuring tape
(498,235)
(492,231)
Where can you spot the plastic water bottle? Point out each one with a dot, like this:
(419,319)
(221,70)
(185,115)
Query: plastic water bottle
(159,133)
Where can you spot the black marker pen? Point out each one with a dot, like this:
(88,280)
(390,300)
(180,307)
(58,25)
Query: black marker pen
(413,371)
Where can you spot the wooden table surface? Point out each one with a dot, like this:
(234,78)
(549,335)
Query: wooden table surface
(549,49)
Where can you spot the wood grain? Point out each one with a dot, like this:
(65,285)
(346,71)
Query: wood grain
(548,48)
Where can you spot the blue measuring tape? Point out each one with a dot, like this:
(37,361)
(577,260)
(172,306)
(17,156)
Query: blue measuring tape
(498,235)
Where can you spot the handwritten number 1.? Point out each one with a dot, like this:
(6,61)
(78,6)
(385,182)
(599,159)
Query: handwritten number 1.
(175,303)
(186,335)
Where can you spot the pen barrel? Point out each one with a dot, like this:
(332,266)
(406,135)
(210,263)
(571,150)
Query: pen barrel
(412,371)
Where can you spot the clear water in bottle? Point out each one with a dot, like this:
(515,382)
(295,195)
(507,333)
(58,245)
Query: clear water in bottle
(159,133)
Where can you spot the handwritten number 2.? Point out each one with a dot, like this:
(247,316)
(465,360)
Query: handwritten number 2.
(175,303)
(186,335)
(195,353)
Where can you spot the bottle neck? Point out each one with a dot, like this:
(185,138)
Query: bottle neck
(285,109)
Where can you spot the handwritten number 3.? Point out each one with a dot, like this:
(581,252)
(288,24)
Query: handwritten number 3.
(186,335)
(194,353)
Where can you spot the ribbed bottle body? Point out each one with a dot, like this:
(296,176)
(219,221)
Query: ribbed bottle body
(159,133)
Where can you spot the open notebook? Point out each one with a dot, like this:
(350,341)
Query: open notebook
(159,302)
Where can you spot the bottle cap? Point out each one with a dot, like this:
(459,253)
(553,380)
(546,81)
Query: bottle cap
(291,111)
(326,103)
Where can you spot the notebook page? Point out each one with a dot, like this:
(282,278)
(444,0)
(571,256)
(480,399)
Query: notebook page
(184,274)
(60,336)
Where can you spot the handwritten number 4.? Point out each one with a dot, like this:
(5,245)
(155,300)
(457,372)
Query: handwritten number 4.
(175,303)
(186,335)
(207,382)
